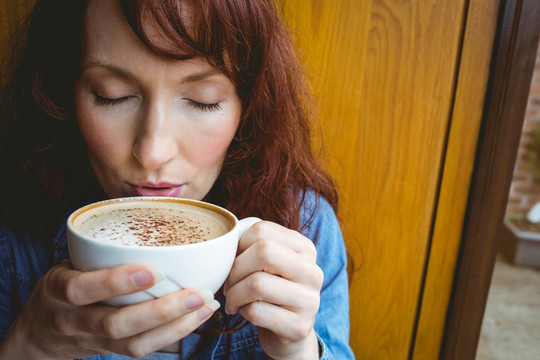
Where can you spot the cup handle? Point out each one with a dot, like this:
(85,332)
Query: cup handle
(245,224)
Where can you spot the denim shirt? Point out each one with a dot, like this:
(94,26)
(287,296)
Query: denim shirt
(25,259)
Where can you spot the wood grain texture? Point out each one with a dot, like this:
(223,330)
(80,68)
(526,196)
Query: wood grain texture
(512,69)
(11,13)
(471,86)
(383,75)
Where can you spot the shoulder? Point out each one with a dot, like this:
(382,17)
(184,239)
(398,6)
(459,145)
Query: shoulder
(19,250)
(24,258)
(7,262)
(332,320)
(318,218)
(320,224)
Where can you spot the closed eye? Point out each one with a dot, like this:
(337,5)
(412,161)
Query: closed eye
(104,101)
(204,107)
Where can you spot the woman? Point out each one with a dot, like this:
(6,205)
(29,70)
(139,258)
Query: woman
(195,99)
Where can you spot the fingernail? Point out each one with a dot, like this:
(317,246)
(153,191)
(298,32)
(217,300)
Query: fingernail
(198,299)
(207,311)
(149,276)
(157,273)
(207,295)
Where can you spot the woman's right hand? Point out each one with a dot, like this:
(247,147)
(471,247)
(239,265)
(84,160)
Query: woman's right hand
(64,319)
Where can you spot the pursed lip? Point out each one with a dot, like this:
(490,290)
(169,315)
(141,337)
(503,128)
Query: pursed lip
(156,189)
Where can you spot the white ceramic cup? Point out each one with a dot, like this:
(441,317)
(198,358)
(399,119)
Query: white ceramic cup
(202,265)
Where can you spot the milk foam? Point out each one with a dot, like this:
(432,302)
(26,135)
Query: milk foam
(151,223)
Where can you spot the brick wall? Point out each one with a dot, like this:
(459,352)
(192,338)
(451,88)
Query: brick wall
(525,188)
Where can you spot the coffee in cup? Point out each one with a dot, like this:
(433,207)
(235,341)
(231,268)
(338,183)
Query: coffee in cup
(155,223)
(193,242)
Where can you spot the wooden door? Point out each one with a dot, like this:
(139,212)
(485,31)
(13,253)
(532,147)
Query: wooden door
(400,87)
(11,12)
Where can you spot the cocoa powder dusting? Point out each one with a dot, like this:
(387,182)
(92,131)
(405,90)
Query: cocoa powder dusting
(152,227)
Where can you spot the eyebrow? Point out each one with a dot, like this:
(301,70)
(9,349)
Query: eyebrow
(197,76)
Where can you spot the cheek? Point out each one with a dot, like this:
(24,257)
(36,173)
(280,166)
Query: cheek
(211,147)
(95,138)
(99,138)
(209,151)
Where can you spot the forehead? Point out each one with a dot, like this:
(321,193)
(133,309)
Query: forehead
(106,29)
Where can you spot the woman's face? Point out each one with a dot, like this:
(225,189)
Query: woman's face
(152,126)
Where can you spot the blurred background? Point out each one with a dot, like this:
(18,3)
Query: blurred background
(511,325)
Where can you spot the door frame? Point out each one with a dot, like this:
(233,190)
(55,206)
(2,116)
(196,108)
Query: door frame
(514,57)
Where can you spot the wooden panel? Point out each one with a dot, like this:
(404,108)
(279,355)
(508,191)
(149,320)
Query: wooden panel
(11,12)
(383,74)
(512,70)
(467,114)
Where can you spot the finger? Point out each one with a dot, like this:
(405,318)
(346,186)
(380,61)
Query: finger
(287,325)
(142,344)
(131,320)
(278,259)
(264,287)
(265,230)
(82,288)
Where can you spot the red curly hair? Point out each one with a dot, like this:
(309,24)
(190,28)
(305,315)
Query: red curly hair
(269,166)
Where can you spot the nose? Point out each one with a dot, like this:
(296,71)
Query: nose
(154,144)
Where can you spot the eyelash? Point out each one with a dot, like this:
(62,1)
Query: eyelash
(204,107)
(103,101)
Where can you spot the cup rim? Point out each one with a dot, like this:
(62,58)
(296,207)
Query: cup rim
(224,212)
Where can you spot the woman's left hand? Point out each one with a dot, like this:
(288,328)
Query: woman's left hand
(275,284)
